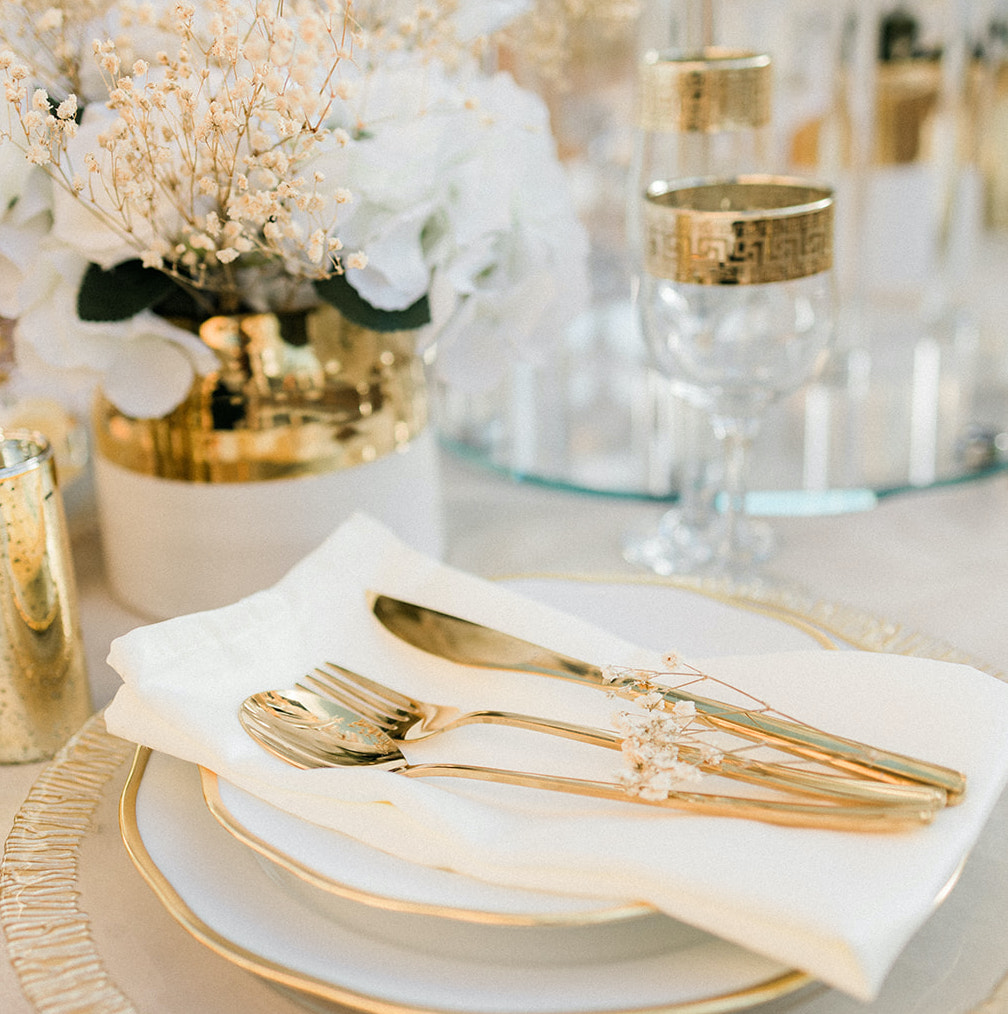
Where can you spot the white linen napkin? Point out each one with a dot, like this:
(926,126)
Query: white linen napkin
(840,906)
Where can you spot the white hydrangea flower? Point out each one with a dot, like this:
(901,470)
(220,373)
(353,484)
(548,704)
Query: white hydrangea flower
(75,223)
(423,174)
(26,196)
(48,323)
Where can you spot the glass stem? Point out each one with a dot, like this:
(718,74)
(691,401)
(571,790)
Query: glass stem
(735,437)
(693,505)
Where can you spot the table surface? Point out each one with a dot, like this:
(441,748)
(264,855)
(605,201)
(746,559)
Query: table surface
(933,561)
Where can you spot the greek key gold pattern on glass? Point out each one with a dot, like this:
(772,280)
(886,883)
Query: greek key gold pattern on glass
(717,249)
(725,91)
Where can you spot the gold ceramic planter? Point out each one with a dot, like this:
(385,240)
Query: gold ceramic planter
(295,395)
(309,420)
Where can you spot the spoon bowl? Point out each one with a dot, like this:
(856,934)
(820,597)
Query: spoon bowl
(314,727)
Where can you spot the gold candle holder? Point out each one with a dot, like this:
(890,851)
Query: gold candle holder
(44,694)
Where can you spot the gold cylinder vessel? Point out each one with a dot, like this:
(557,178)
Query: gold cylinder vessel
(44,694)
(308,420)
(295,395)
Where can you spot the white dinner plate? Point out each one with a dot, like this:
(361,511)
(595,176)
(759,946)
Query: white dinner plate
(221,893)
(337,935)
(309,859)
(61,922)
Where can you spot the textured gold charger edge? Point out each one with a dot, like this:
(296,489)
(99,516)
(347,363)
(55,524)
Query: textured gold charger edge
(218,809)
(48,935)
(763,992)
(46,884)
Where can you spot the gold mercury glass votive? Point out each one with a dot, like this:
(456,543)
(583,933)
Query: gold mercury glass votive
(44,694)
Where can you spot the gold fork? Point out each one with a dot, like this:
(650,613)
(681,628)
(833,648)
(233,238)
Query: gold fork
(404,719)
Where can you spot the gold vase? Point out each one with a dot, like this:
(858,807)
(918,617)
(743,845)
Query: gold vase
(308,419)
(298,394)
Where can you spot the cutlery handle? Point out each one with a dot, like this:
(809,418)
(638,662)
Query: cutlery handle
(822,816)
(786,734)
(535,723)
(816,783)
(775,776)
(848,754)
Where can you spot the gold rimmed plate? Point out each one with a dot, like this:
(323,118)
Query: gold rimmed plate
(322,945)
(219,891)
(447,930)
(309,859)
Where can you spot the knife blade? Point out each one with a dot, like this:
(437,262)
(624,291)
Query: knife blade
(468,643)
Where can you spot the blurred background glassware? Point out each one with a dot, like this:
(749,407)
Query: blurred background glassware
(703,112)
(581,414)
(891,412)
(44,693)
(984,288)
(899,142)
(738,306)
(36,403)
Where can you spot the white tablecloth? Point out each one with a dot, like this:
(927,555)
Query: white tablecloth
(934,562)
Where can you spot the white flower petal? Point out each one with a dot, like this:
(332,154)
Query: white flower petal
(396,275)
(77,221)
(475,18)
(148,378)
(48,319)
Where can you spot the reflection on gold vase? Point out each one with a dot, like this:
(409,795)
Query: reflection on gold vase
(308,419)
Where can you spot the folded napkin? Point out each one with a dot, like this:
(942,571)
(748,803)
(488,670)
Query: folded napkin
(840,906)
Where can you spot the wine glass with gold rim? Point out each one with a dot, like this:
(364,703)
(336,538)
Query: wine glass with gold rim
(738,307)
(703,112)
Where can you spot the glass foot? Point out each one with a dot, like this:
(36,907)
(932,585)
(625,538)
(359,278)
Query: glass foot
(740,544)
(679,545)
(724,546)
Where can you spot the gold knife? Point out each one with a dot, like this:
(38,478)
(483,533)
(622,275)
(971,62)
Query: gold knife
(468,643)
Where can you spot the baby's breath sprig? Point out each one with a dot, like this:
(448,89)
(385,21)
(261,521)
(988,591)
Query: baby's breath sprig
(636,680)
(660,749)
(206,163)
(651,746)
(166,160)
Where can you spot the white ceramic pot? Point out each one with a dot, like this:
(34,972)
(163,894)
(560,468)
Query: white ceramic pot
(263,461)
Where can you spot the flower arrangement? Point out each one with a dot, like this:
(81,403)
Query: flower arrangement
(162,161)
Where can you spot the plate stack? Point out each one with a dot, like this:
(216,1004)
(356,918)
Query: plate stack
(364,889)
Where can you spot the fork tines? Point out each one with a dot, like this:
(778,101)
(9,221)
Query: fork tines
(357,692)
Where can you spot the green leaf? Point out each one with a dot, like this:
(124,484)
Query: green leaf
(180,304)
(120,292)
(338,292)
